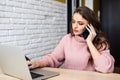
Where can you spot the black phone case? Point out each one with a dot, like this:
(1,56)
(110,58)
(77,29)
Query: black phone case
(85,33)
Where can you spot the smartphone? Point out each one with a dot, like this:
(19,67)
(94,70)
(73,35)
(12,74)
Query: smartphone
(85,33)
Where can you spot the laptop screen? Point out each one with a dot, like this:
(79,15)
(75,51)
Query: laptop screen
(13,63)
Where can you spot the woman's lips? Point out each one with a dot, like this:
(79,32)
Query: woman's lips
(75,31)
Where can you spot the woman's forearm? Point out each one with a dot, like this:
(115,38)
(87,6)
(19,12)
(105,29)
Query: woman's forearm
(93,50)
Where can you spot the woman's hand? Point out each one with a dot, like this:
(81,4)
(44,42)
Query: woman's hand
(93,50)
(33,65)
(92,33)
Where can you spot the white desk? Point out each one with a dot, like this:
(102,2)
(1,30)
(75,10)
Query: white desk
(67,74)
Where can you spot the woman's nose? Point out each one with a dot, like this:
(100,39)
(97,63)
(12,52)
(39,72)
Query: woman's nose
(76,25)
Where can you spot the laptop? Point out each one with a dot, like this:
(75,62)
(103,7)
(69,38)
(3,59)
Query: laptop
(13,63)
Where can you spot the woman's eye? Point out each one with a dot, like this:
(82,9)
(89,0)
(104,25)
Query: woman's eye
(80,23)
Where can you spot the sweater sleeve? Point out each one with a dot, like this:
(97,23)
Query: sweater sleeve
(56,58)
(105,63)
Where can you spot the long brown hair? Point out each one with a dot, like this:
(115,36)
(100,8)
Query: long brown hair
(90,16)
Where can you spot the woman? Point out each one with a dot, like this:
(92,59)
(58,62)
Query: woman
(76,52)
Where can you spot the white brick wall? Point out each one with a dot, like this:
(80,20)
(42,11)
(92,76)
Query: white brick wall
(34,25)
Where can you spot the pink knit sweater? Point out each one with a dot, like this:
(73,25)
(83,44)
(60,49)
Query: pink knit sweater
(72,51)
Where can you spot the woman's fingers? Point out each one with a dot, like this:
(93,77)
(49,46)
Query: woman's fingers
(92,32)
(91,28)
(30,64)
(88,29)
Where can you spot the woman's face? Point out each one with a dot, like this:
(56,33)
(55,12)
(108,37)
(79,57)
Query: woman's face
(78,24)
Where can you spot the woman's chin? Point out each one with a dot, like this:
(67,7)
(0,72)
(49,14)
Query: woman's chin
(76,34)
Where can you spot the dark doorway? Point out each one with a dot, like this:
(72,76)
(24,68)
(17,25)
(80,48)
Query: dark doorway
(69,14)
(70,4)
(110,18)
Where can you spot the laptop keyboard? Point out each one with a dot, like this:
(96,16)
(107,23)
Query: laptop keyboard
(35,75)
